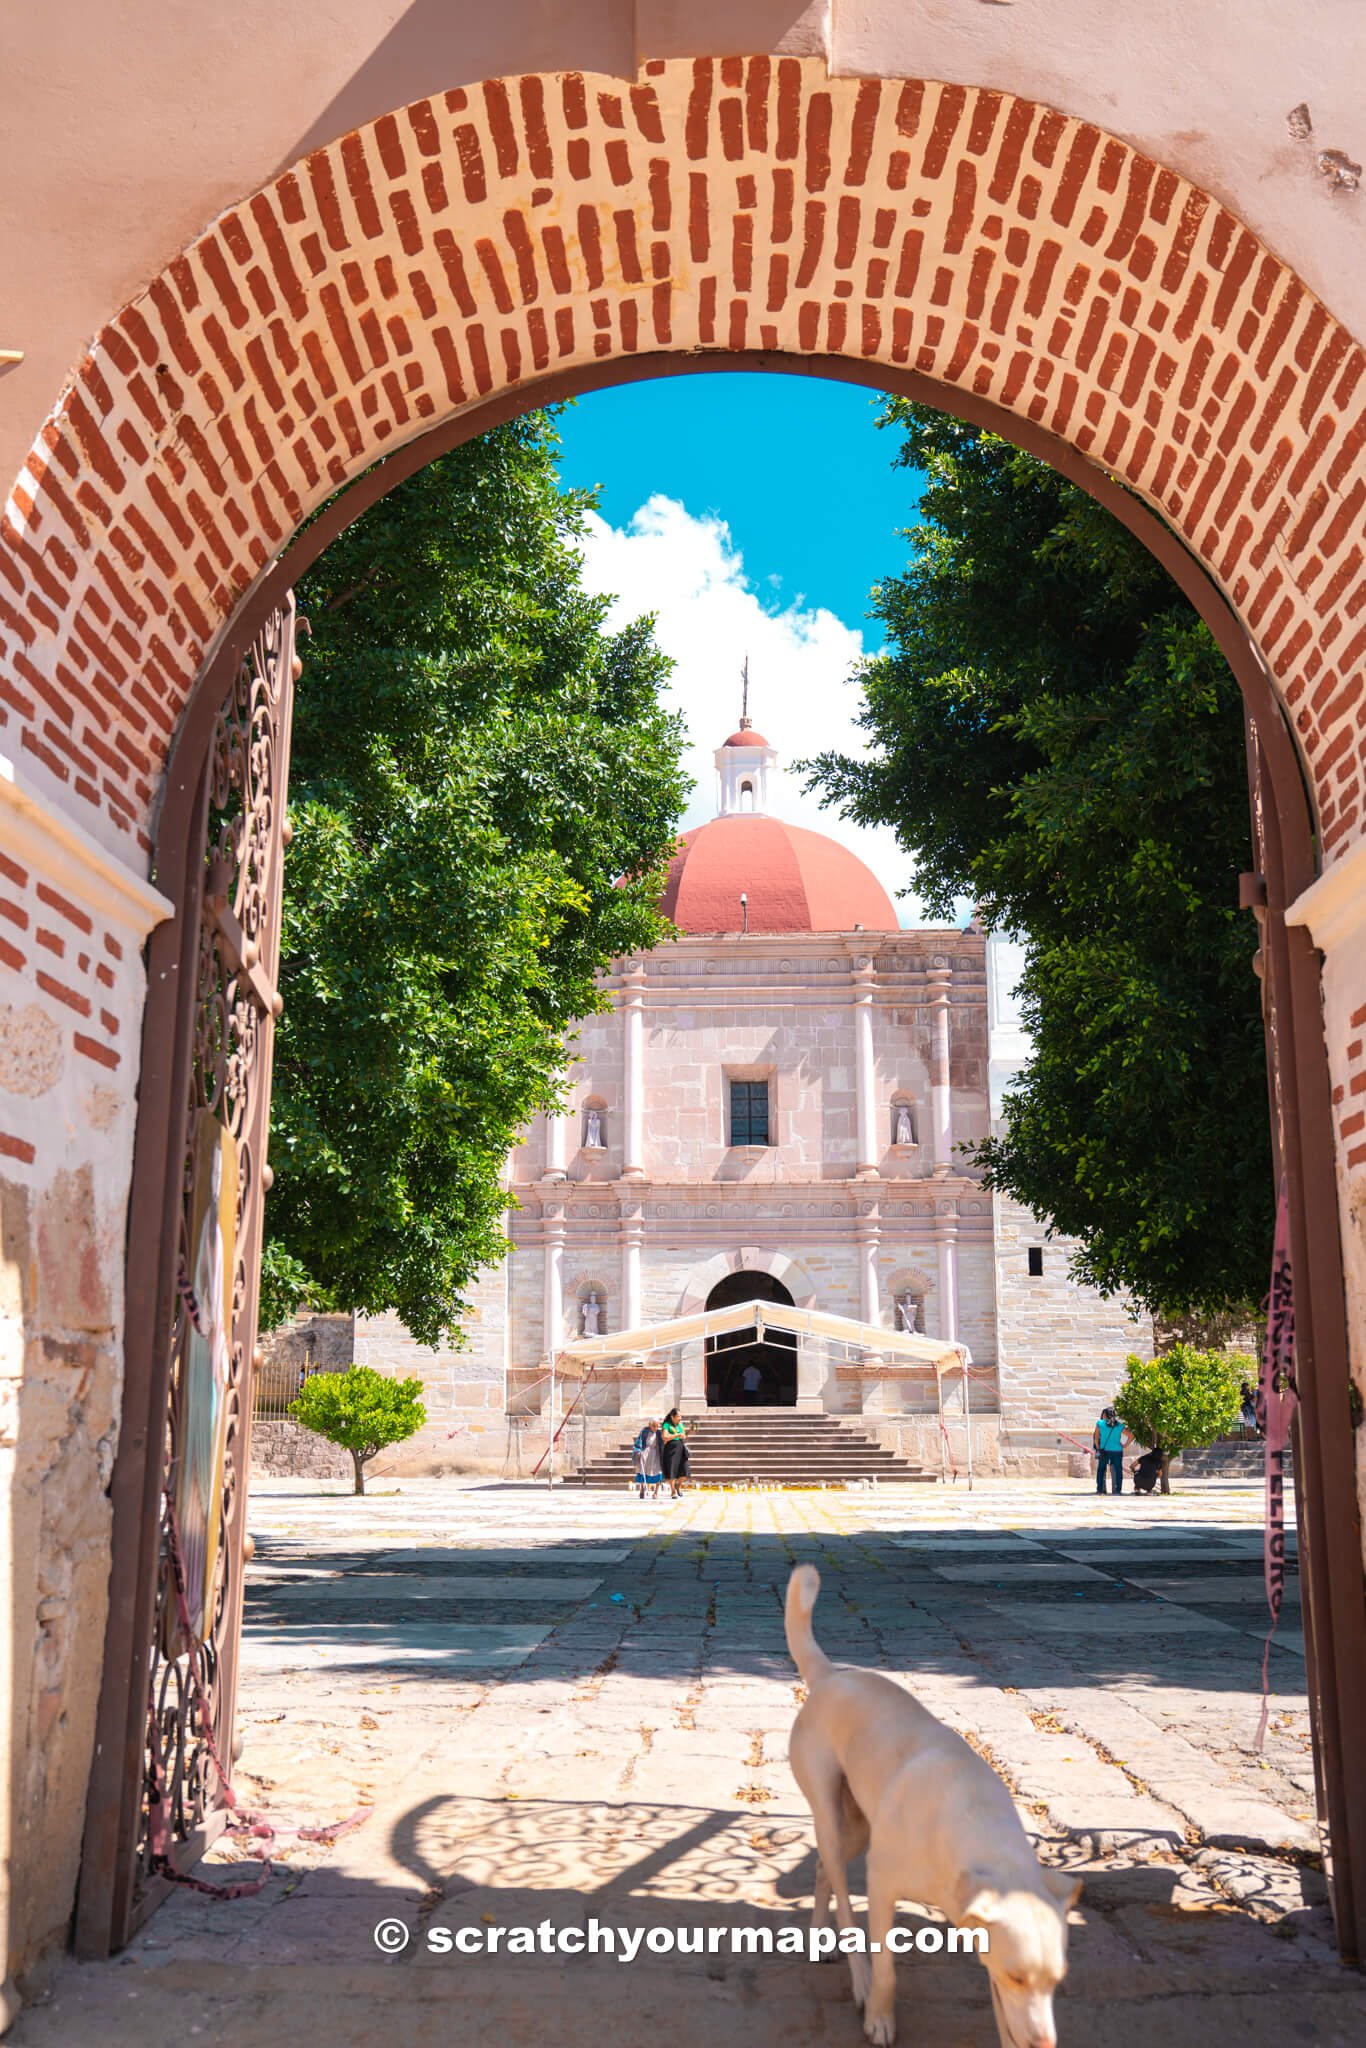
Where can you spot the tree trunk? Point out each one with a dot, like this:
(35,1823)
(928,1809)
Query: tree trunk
(1166,1482)
(359,1464)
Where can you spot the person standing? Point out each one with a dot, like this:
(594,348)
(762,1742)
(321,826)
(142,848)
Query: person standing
(751,1379)
(648,1448)
(676,1467)
(1108,1441)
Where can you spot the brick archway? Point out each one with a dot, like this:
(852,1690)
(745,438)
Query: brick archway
(478,252)
(471,244)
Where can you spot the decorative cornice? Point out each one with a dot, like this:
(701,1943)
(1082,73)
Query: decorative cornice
(63,853)
(1333,909)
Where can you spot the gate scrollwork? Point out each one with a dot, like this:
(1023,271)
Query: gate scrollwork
(226,1015)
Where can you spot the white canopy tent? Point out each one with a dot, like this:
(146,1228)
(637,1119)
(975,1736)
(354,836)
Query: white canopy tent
(576,1359)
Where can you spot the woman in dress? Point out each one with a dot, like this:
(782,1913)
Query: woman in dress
(674,1433)
(647,1448)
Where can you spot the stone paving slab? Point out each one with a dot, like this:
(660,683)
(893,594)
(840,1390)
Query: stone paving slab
(295,1647)
(1107,1619)
(324,1588)
(1203,1592)
(1010,1568)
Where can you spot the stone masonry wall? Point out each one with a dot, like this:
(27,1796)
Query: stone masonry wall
(1060,1348)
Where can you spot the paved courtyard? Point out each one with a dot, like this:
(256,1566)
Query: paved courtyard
(575,1707)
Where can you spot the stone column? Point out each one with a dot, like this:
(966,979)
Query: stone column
(558,1125)
(941,1110)
(552,1300)
(810,1399)
(869,1238)
(692,1379)
(868,1232)
(632,1241)
(633,1062)
(869,1149)
(946,1245)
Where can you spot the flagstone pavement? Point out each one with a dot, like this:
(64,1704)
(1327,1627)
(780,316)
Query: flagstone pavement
(565,1707)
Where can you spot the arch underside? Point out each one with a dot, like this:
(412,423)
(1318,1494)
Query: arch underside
(475,243)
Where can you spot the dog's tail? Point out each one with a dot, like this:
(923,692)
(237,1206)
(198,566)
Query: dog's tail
(807,1654)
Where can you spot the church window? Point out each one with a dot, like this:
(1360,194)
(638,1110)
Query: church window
(749,1113)
(1036,1262)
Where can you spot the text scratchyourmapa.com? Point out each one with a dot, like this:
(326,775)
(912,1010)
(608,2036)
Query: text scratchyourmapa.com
(625,1944)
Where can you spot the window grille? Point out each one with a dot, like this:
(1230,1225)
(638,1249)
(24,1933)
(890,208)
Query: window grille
(749,1113)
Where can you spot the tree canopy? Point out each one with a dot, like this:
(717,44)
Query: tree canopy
(1053,733)
(1183,1399)
(477,764)
(361,1410)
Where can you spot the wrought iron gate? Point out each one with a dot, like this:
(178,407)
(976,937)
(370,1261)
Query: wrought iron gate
(165,1730)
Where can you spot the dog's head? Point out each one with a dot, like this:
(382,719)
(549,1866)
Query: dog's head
(1026,1955)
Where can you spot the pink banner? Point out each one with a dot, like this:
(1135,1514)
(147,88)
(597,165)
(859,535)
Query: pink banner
(1276,1398)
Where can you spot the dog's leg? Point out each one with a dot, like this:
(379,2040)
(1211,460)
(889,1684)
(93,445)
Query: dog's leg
(853,1842)
(826,1812)
(879,2011)
(820,1912)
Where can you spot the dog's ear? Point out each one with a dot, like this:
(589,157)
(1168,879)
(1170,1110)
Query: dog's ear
(1065,1888)
(979,1902)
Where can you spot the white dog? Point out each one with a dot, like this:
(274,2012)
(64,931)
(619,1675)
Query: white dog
(880,1772)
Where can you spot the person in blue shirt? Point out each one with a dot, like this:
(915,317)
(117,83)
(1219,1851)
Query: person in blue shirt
(1108,1441)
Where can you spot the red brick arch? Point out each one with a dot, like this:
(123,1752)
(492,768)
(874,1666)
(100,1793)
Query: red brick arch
(477,242)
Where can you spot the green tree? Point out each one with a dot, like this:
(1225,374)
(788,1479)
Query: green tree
(1182,1399)
(1054,734)
(361,1410)
(477,764)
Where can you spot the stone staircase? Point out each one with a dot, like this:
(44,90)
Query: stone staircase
(773,1446)
(1228,1457)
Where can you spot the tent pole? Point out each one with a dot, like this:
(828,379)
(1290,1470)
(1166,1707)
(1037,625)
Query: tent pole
(967,1413)
(550,1448)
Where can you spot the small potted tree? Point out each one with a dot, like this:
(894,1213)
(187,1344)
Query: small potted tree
(361,1410)
(1183,1399)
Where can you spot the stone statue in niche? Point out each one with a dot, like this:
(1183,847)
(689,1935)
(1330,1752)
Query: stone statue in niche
(592,1135)
(591,1315)
(907,1309)
(905,1130)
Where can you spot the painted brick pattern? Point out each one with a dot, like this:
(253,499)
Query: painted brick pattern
(468,243)
(69,990)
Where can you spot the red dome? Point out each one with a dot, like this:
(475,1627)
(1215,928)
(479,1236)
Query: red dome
(745,739)
(796,881)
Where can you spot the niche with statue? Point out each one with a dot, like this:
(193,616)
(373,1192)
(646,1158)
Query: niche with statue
(903,1122)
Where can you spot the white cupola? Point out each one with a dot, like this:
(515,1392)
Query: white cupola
(742,765)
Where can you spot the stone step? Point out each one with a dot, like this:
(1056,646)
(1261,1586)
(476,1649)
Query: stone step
(773,1447)
(1231,1457)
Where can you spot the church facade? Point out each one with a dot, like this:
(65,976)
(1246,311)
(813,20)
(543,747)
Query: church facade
(772,1108)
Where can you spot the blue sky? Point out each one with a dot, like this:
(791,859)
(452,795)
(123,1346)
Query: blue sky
(751,514)
(794,466)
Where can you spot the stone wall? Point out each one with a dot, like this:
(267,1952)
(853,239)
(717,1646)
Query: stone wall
(72,922)
(1060,1348)
(286,1450)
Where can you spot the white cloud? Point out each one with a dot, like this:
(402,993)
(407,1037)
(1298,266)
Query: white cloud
(688,572)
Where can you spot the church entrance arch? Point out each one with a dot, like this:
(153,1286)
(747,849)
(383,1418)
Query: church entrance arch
(960,245)
(735,1357)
